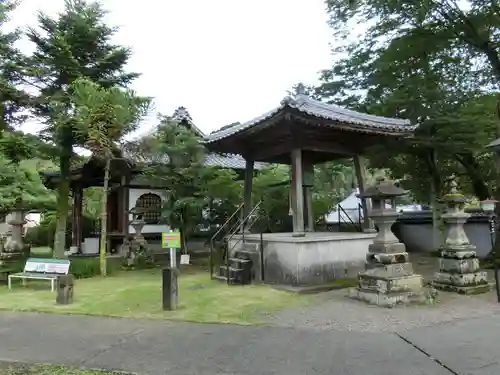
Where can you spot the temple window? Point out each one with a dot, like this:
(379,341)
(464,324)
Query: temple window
(153,202)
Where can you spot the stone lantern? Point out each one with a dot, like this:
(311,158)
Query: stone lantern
(458,264)
(389,278)
(13,248)
(138,224)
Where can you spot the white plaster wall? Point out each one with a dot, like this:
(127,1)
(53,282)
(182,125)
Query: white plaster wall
(134,194)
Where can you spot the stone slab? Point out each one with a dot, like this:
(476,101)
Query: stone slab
(162,347)
(459,253)
(469,347)
(387,248)
(461,279)
(388,270)
(399,284)
(386,299)
(458,265)
(467,290)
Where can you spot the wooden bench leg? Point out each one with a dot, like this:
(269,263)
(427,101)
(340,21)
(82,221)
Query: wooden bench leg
(23,282)
(9,282)
(52,285)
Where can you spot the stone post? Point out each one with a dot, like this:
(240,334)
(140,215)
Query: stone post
(170,288)
(388,279)
(458,264)
(65,285)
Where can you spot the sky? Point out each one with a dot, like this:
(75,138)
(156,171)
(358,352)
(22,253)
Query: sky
(224,60)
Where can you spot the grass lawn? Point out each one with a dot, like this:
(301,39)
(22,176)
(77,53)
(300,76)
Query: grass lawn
(41,251)
(137,294)
(23,369)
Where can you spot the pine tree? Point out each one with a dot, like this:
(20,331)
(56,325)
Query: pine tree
(75,44)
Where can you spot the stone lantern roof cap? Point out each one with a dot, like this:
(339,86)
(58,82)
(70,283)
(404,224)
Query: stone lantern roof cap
(382,189)
(454,198)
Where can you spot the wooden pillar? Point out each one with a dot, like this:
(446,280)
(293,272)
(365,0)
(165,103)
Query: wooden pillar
(308,183)
(125,204)
(247,187)
(293,197)
(360,167)
(76,216)
(247,192)
(297,181)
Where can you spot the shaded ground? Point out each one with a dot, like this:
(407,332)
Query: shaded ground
(161,347)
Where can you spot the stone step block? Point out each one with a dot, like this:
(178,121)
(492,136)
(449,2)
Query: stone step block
(461,279)
(464,265)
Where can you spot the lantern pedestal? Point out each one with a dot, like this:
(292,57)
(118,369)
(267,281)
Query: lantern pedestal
(389,278)
(458,264)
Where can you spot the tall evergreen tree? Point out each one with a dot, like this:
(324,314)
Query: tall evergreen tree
(75,44)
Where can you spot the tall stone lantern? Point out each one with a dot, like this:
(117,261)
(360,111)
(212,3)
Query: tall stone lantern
(458,264)
(389,278)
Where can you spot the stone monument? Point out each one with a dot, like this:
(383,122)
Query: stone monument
(458,264)
(388,278)
(12,247)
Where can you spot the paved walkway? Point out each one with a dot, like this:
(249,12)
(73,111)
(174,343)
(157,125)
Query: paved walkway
(465,347)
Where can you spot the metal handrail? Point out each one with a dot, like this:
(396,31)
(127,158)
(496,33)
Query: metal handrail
(340,208)
(243,222)
(214,237)
(227,221)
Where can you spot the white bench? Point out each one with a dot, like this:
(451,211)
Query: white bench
(42,269)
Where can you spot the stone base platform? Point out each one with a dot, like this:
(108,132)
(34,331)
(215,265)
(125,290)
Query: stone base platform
(389,291)
(390,299)
(311,259)
(466,290)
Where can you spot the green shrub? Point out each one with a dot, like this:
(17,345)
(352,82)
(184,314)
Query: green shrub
(84,268)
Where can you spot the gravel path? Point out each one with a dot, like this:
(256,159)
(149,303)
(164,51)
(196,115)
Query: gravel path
(333,311)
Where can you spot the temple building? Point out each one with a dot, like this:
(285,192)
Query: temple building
(129,188)
(302,132)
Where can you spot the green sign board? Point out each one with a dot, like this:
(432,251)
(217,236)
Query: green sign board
(171,240)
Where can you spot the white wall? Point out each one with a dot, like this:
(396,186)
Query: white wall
(134,194)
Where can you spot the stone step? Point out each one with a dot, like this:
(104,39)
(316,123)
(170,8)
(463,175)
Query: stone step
(239,260)
(232,280)
(231,269)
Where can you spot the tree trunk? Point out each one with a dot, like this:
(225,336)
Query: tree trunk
(431,161)
(496,159)
(184,248)
(62,206)
(473,171)
(104,219)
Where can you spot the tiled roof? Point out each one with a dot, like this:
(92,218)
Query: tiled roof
(229,161)
(325,111)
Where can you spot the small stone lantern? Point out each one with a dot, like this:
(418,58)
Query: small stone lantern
(14,248)
(388,278)
(137,222)
(458,264)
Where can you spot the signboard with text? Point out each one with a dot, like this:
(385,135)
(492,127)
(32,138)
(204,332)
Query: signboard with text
(171,240)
